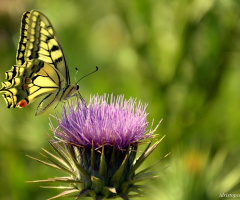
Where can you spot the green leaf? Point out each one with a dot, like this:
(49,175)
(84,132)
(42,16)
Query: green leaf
(112,161)
(61,152)
(103,167)
(143,157)
(118,174)
(67,193)
(109,191)
(146,174)
(60,160)
(138,187)
(58,187)
(97,185)
(60,179)
(93,158)
(136,190)
(148,168)
(83,172)
(99,198)
(84,192)
(45,163)
(135,196)
(123,196)
(68,171)
(84,158)
(128,184)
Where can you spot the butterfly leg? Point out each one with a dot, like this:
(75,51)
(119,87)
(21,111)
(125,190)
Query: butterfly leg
(82,99)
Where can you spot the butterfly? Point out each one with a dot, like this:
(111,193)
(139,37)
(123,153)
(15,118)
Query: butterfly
(41,67)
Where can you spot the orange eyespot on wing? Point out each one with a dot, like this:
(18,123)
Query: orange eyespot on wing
(28,80)
(22,103)
(25,86)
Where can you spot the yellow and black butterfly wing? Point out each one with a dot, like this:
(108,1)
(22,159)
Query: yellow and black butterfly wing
(47,81)
(38,40)
(33,79)
(41,66)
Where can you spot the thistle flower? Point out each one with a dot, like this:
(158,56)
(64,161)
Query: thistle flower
(96,146)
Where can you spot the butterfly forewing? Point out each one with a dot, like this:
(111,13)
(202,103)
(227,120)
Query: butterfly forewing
(38,40)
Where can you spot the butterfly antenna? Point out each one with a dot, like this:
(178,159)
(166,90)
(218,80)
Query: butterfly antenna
(87,74)
(76,75)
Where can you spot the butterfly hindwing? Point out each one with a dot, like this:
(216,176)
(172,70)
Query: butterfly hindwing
(36,79)
(46,81)
(47,102)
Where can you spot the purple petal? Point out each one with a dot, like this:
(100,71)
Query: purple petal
(115,121)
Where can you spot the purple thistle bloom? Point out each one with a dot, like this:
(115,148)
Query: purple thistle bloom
(96,145)
(119,123)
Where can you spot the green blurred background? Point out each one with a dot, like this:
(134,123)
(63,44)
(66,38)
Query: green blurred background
(182,57)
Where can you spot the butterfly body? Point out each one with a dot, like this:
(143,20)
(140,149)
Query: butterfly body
(41,66)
